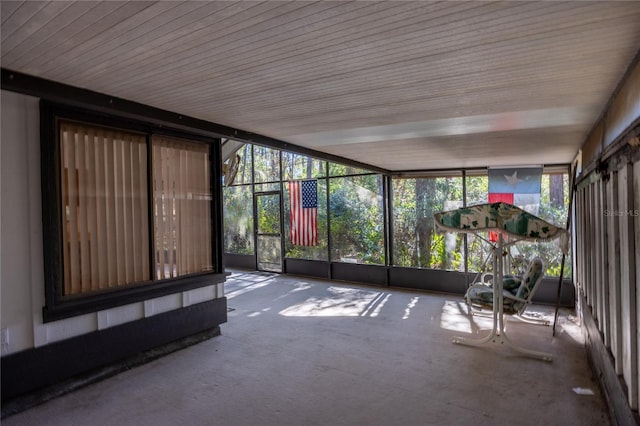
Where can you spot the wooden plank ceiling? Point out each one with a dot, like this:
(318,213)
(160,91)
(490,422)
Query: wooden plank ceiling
(400,85)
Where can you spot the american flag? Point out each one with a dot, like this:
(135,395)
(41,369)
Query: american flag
(303,196)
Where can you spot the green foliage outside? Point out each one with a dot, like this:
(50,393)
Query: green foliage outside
(238,219)
(357,223)
(355,215)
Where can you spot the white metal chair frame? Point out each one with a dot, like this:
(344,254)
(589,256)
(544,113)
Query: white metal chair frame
(498,333)
(486,280)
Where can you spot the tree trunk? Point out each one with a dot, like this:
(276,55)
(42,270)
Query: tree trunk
(309,167)
(556,190)
(425,193)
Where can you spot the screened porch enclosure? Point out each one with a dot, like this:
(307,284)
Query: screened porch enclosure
(374,228)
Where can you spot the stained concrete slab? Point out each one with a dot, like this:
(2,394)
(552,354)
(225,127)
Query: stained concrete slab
(299,351)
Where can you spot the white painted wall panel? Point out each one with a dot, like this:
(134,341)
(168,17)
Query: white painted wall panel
(636,219)
(162,304)
(199,295)
(120,315)
(602,263)
(628,289)
(613,272)
(15,229)
(70,327)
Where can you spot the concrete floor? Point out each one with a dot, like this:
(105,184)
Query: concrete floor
(297,351)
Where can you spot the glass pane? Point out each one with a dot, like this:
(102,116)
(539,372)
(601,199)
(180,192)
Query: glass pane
(269,249)
(417,243)
(296,166)
(266,187)
(320,251)
(268,211)
(238,220)
(266,164)
(182,207)
(336,169)
(478,249)
(238,168)
(477,190)
(104,208)
(357,223)
(554,205)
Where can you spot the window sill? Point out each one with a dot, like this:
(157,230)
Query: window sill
(98,302)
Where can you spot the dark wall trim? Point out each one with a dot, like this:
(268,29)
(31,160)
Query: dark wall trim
(614,157)
(547,293)
(307,268)
(36,368)
(242,261)
(83,98)
(603,114)
(611,385)
(428,279)
(57,305)
(354,272)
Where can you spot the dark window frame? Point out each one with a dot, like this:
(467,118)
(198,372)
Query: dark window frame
(58,306)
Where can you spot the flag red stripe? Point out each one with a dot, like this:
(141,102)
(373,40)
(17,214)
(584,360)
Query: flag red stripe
(303,224)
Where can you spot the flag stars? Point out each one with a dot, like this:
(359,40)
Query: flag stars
(513,179)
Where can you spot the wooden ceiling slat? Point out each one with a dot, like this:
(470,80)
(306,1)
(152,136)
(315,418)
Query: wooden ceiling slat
(7,8)
(313,50)
(254,81)
(291,69)
(519,68)
(76,35)
(130,26)
(183,16)
(430,92)
(220,45)
(176,29)
(51,30)
(12,28)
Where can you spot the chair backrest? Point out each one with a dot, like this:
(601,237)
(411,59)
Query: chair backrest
(530,280)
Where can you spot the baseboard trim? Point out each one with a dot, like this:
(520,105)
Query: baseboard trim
(620,413)
(35,369)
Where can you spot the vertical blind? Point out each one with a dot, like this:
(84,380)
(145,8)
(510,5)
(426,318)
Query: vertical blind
(104,202)
(182,203)
(105,208)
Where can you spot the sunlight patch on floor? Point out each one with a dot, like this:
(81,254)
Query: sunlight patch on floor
(376,307)
(455,317)
(245,288)
(407,311)
(339,302)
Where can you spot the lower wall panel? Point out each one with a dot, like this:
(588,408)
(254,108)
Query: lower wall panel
(308,268)
(547,293)
(428,279)
(600,360)
(368,274)
(36,368)
(452,282)
(243,261)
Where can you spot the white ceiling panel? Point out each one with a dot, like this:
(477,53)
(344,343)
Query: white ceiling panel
(399,85)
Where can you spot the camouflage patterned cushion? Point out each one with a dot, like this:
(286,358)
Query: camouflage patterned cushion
(511,283)
(483,296)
